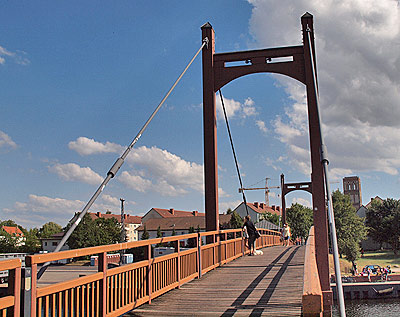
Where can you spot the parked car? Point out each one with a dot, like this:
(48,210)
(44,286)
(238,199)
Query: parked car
(374,268)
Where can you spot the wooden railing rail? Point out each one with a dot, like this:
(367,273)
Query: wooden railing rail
(114,291)
(312,294)
(10,304)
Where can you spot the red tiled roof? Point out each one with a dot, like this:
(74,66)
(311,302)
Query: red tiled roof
(262,208)
(13,230)
(128,218)
(372,199)
(180,223)
(166,213)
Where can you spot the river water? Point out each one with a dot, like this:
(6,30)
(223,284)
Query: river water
(371,307)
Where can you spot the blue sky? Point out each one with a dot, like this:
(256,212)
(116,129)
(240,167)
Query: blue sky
(79,79)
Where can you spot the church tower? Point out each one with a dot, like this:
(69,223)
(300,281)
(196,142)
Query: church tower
(352,187)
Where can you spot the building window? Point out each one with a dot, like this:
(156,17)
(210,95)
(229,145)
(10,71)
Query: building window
(45,244)
(54,244)
(163,234)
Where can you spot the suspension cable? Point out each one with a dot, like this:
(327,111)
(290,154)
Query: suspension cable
(118,163)
(325,162)
(233,150)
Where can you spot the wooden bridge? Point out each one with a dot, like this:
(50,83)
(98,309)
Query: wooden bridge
(276,282)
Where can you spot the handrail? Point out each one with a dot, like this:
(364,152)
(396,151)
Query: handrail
(10,304)
(312,293)
(118,290)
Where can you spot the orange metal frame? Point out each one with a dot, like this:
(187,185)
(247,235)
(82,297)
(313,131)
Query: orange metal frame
(217,72)
(112,292)
(10,304)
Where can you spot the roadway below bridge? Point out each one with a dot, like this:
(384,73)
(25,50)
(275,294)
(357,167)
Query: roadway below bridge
(270,284)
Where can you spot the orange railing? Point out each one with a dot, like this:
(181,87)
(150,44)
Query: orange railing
(312,294)
(10,304)
(112,292)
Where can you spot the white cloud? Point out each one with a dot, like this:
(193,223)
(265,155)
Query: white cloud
(6,141)
(167,172)
(235,108)
(86,146)
(224,206)
(261,125)
(301,201)
(135,182)
(38,210)
(19,57)
(73,172)
(357,44)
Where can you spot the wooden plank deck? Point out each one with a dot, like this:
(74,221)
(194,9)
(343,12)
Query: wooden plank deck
(264,285)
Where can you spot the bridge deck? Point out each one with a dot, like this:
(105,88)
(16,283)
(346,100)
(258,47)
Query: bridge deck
(263,285)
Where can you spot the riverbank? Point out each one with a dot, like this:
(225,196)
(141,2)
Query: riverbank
(369,290)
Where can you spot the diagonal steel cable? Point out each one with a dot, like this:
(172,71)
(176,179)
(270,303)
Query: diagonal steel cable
(118,163)
(233,150)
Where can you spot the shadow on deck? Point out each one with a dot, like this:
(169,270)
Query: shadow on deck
(265,285)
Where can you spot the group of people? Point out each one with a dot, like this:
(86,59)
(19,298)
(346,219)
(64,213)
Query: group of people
(253,234)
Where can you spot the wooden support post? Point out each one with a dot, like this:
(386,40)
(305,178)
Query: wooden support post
(210,131)
(149,272)
(317,177)
(102,267)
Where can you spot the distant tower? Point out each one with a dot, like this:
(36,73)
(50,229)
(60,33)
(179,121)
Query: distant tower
(352,187)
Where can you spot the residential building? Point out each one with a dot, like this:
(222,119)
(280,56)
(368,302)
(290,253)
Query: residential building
(158,213)
(255,210)
(16,233)
(369,244)
(181,225)
(131,223)
(50,244)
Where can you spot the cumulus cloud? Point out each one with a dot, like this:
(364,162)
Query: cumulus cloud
(74,173)
(162,171)
(37,210)
(261,125)
(18,57)
(86,146)
(235,108)
(6,141)
(301,201)
(357,44)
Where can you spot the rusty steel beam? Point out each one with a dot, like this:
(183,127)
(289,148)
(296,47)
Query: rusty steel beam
(217,72)
(210,131)
(317,176)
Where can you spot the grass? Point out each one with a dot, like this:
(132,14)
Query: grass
(382,258)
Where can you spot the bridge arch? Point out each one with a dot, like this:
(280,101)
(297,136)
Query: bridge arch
(217,73)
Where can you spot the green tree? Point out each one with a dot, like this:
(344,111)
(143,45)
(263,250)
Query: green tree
(145,234)
(48,229)
(350,228)
(299,219)
(32,242)
(8,242)
(191,243)
(383,221)
(273,218)
(159,233)
(236,221)
(90,233)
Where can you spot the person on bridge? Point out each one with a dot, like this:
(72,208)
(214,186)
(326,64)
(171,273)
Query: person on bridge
(286,235)
(252,233)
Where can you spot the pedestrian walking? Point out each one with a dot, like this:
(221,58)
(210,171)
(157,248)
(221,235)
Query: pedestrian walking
(286,235)
(251,232)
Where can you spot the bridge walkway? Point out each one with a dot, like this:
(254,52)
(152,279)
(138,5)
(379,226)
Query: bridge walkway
(264,285)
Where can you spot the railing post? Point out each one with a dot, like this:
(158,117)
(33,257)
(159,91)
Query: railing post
(27,289)
(243,243)
(178,250)
(226,247)
(199,254)
(102,267)
(149,272)
(14,289)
